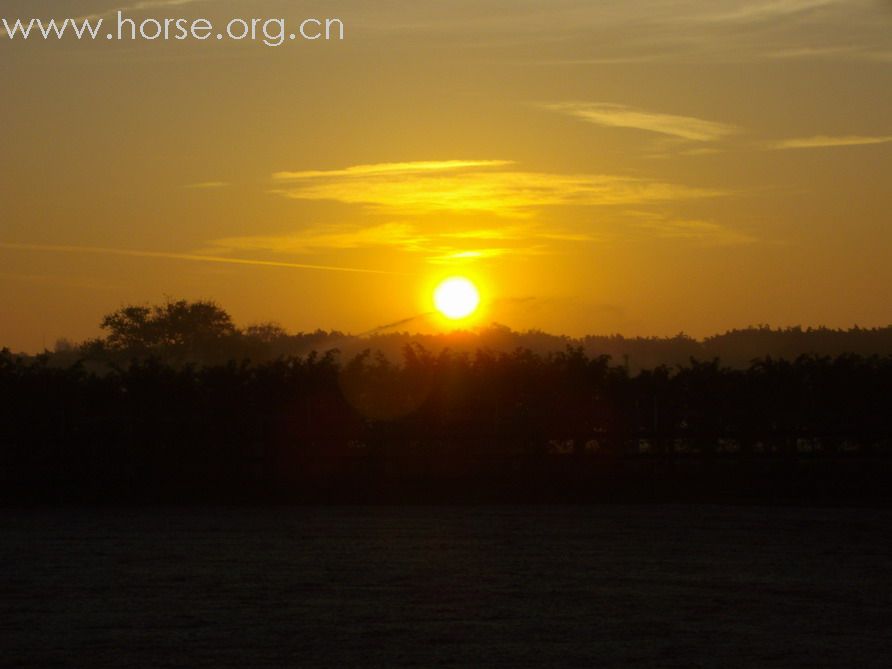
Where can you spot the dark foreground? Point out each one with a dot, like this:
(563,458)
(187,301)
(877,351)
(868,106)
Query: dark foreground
(650,586)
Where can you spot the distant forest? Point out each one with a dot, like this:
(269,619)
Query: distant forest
(203,333)
(174,402)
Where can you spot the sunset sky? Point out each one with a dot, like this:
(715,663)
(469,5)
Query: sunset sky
(594,166)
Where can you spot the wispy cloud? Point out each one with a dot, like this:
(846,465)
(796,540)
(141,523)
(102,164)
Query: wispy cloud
(207,185)
(825,141)
(832,54)
(142,6)
(400,235)
(453,257)
(436,246)
(391,169)
(754,12)
(472,186)
(506,233)
(726,31)
(816,52)
(620,116)
(692,230)
(192,257)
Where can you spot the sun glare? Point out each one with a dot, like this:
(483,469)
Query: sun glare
(456,298)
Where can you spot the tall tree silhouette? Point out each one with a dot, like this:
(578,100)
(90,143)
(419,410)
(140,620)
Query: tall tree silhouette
(176,330)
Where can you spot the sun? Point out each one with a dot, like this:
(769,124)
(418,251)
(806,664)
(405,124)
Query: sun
(456,298)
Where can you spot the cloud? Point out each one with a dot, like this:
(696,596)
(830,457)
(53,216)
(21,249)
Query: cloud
(400,235)
(385,169)
(142,6)
(719,31)
(192,257)
(472,186)
(208,185)
(437,246)
(480,254)
(506,233)
(813,52)
(825,141)
(705,232)
(620,116)
(753,12)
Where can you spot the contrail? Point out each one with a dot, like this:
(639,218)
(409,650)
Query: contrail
(99,250)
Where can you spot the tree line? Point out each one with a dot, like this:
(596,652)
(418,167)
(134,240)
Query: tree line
(150,420)
(201,332)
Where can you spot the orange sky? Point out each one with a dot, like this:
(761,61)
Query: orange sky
(617,166)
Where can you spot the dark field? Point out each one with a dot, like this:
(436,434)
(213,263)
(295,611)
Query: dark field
(673,586)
